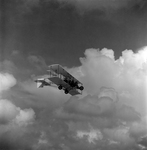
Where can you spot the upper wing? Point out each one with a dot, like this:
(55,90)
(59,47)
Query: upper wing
(58,82)
(60,70)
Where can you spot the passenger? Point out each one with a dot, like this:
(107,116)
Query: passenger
(76,84)
(66,80)
(72,83)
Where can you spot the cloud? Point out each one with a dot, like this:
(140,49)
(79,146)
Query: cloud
(123,75)
(108,92)
(111,113)
(25,117)
(109,9)
(92,136)
(83,4)
(138,129)
(128,114)
(119,134)
(116,97)
(10,113)
(93,106)
(114,103)
(15,124)
(6,81)
(14,121)
(97,4)
(48,97)
(37,62)
(29,65)
(104,6)
(143,142)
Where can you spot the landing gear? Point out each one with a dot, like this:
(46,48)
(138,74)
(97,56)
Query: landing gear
(60,87)
(81,88)
(66,91)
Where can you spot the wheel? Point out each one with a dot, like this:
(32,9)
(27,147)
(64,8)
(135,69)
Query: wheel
(60,87)
(81,88)
(66,91)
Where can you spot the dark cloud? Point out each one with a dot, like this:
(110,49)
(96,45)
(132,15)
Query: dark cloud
(98,4)
(46,11)
(51,28)
(105,5)
(143,142)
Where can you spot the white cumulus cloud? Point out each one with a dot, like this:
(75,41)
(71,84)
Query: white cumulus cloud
(10,113)
(111,113)
(6,81)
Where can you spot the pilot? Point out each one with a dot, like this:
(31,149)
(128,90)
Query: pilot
(71,82)
(74,83)
(66,80)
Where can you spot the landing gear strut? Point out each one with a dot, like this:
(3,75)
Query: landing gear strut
(81,88)
(66,91)
(60,87)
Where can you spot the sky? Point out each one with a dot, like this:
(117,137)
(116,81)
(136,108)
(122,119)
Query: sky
(103,43)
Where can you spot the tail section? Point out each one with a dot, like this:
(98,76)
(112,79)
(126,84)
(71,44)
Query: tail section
(39,85)
(42,82)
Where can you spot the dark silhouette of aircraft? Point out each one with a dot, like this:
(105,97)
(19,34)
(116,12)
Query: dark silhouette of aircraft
(62,79)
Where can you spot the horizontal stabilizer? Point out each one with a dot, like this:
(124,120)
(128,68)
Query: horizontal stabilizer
(39,85)
(43,82)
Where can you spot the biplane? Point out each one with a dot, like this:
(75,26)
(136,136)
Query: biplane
(62,79)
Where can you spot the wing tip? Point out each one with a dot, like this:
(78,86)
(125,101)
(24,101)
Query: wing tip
(54,65)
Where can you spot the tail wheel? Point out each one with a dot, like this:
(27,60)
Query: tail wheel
(81,88)
(66,91)
(60,87)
